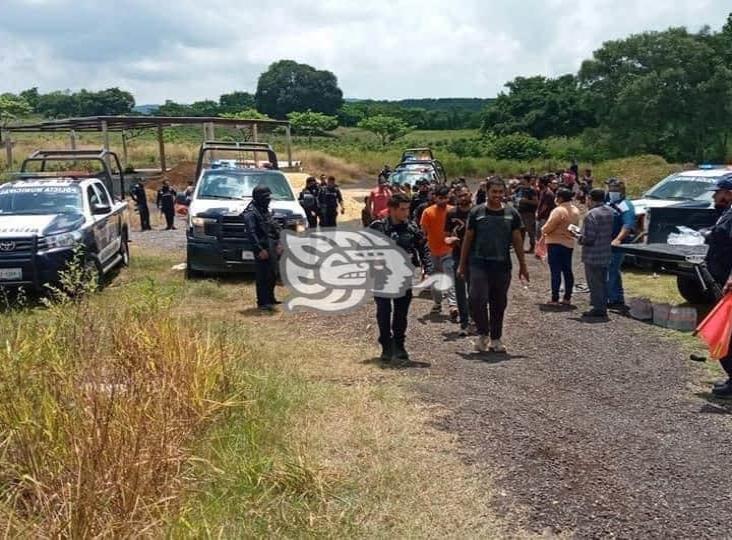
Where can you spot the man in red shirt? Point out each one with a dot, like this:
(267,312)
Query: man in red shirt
(433,225)
(379,199)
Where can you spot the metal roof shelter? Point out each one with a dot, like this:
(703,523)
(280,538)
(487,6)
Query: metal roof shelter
(107,124)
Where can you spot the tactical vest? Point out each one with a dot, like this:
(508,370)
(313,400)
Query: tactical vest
(493,237)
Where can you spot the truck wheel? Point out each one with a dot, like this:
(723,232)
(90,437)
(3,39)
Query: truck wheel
(692,290)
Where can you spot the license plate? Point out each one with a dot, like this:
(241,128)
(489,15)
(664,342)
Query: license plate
(11,274)
(247,256)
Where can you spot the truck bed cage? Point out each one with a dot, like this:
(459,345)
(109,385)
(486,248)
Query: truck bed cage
(236,147)
(103,156)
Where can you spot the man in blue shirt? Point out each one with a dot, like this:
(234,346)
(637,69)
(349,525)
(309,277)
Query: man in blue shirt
(624,223)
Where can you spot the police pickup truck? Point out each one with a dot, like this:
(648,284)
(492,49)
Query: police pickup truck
(44,217)
(216,233)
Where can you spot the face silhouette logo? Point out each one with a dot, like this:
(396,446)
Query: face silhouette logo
(336,271)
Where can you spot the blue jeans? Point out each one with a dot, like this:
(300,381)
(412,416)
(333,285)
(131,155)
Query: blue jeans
(615,292)
(560,264)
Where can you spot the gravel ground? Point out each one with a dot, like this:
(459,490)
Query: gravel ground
(596,430)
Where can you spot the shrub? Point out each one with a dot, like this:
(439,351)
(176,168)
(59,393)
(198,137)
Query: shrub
(517,146)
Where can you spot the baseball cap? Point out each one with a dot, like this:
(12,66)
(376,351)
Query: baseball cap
(722,183)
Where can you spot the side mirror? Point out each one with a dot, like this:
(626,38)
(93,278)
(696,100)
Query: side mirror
(100,209)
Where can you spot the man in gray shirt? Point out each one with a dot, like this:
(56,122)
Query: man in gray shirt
(596,238)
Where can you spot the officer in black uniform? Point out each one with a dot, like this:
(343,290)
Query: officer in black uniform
(391,313)
(309,200)
(166,204)
(138,195)
(719,264)
(419,198)
(330,199)
(264,236)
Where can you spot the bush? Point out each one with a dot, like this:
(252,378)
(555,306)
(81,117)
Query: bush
(517,146)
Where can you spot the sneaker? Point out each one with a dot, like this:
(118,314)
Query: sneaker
(723,392)
(553,303)
(463,332)
(496,346)
(481,344)
(618,306)
(720,384)
(437,308)
(267,308)
(566,303)
(454,315)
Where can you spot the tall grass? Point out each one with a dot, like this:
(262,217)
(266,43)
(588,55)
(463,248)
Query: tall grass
(100,406)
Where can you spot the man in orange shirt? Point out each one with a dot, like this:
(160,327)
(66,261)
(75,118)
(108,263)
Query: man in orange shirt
(433,225)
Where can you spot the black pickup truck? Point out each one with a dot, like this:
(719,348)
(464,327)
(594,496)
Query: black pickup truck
(684,261)
(46,215)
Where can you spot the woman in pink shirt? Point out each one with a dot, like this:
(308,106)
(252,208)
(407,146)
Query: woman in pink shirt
(560,241)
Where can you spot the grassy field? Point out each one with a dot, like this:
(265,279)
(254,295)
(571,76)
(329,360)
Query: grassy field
(164,407)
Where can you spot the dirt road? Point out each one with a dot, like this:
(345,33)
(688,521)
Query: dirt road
(597,430)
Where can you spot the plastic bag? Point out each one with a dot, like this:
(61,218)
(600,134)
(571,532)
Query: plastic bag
(540,250)
(685,237)
(716,329)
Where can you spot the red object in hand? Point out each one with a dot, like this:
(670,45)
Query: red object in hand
(716,329)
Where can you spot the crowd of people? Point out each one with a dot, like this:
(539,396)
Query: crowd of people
(448,229)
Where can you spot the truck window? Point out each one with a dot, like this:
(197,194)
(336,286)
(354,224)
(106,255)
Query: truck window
(92,196)
(103,194)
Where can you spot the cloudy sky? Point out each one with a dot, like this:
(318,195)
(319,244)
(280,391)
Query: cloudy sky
(187,50)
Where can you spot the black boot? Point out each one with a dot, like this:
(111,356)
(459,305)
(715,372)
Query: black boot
(387,351)
(400,353)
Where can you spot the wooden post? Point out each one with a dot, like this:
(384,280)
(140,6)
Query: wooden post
(288,133)
(8,143)
(161,145)
(205,131)
(254,132)
(212,131)
(124,149)
(72,139)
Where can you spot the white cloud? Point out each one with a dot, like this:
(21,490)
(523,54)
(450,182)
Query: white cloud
(192,50)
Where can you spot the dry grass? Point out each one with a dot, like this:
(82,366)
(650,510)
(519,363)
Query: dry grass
(100,406)
(318,163)
(639,172)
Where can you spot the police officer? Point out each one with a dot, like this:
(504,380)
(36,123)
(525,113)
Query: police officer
(391,313)
(330,199)
(719,264)
(419,198)
(264,236)
(138,195)
(166,204)
(623,229)
(309,200)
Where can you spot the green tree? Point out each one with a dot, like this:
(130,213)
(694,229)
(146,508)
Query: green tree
(235,102)
(540,107)
(312,123)
(287,86)
(11,107)
(387,128)
(668,93)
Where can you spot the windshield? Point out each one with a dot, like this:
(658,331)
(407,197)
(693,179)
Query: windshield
(40,200)
(683,188)
(221,184)
(408,177)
